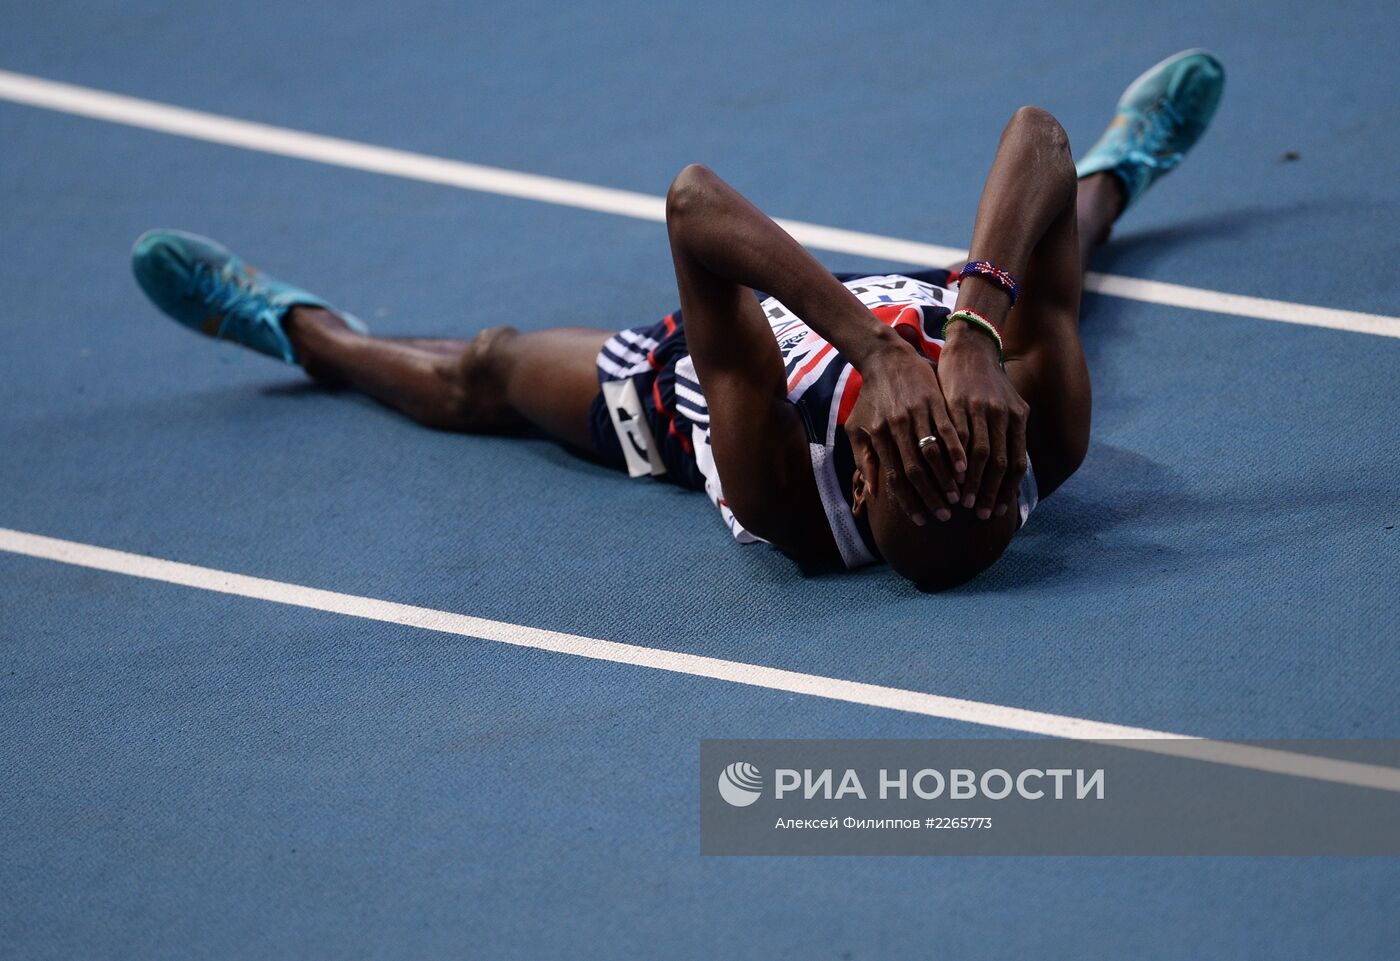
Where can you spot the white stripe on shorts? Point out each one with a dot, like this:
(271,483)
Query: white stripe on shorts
(693,398)
(632,337)
(623,352)
(613,369)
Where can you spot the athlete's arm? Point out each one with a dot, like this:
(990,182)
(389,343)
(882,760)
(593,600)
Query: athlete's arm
(1030,184)
(723,247)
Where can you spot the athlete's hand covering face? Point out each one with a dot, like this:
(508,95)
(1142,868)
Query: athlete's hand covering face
(901,402)
(990,418)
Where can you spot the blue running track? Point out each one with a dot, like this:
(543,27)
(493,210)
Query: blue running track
(187,774)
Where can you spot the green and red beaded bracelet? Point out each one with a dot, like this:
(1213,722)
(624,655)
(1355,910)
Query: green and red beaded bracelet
(981,323)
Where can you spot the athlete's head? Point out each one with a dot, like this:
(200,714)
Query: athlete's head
(939,555)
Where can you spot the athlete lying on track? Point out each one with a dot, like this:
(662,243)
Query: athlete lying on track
(832,416)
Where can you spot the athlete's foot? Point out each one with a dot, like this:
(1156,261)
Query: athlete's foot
(1160,117)
(202,285)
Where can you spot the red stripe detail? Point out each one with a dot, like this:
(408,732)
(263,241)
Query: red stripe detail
(685,444)
(908,321)
(849,395)
(806,368)
(670,321)
(670,415)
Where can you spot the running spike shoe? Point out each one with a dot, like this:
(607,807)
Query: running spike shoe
(204,286)
(1160,117)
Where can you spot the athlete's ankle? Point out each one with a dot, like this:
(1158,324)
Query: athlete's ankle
(303,317)
(311,330)
(1106,192)
(1101,200)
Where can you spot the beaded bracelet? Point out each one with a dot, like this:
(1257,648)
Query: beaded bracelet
(982,324)
(995,274)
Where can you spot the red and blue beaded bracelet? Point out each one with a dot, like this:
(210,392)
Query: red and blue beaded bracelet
(990,271)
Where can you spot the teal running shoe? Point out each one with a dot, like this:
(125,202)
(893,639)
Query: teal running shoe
(1160,116)
(201,284)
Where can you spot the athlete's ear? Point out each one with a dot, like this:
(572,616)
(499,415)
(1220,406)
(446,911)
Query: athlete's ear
(860,493)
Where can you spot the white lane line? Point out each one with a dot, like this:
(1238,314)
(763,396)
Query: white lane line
(214,128)
(1018,719)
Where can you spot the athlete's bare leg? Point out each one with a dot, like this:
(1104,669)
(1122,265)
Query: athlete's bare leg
(1099,205)
(500,381)
(1044,358)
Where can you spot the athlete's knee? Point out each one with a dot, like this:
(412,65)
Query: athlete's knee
(1040,124)
(1038,128)
(486,361)
(475,382)
(688,192)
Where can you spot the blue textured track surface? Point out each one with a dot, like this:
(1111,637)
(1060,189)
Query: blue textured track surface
(187,774)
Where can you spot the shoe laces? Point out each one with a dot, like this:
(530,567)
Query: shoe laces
(231,296)
(1155,128)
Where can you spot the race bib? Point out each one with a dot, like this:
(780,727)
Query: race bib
(638,446)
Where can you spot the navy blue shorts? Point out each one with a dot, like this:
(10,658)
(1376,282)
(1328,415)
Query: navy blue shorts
(647,356)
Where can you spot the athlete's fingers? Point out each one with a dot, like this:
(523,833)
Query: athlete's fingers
(917,470)
(1018,462)
(959,418)
(979,449)
(892,476)
(952,445)
(871,450)
(995,469)
(935,457)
